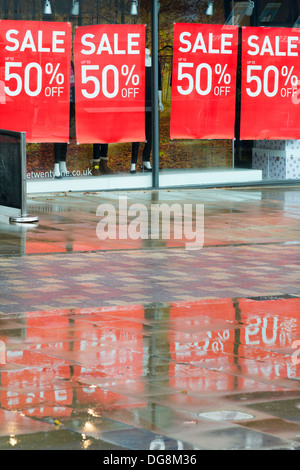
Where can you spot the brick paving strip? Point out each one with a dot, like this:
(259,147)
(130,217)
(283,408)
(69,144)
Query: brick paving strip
(80,280)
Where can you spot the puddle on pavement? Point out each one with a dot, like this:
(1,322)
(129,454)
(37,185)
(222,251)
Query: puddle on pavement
(163,368)
(232,217)
(54,440)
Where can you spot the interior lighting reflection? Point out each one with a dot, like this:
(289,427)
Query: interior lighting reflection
(250,8)
(210,8)
(13,441)
(134,8)
(88,427)
(75,8)
(93,413)
(47,8)
(85,442)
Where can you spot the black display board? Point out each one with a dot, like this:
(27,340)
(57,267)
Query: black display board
(11,184)
(13,187)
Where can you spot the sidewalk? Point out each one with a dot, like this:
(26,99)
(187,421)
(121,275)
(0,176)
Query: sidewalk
(144,345)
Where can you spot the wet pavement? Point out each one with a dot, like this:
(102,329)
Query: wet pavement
(142,344)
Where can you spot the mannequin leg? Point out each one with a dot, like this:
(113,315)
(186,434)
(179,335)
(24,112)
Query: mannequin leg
(60,156)
(96,160)
(103,150)
(56,171)
(148,145)
(104,160)
(63,157)
(134,156)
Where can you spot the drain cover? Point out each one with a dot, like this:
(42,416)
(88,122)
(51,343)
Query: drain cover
(226,415)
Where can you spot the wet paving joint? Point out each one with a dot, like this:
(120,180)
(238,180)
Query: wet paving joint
(144,345)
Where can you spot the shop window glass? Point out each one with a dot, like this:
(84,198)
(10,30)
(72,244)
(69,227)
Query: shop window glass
(278,160)
(174,155)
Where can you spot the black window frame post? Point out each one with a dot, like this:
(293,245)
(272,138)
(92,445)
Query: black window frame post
(154,83)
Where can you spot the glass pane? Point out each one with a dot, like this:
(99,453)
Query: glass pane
(192,157)
(277,160)
(187,154)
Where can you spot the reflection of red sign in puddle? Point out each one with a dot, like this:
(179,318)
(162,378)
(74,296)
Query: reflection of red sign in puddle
(112,354)
(79,349)
(99,356)
(269,329)
(43,247)
(100,398)
(37,391)
(199,332)
(64,245)
(41,387)
(204,336)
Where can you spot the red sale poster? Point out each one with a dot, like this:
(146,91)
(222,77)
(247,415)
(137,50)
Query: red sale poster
(35,62)
(270,83)
(204,81)
(110,83)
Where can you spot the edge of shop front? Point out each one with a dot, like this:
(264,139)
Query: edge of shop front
(167,178)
